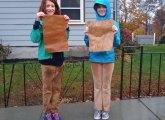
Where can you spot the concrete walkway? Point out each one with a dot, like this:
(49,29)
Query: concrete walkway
(134,109)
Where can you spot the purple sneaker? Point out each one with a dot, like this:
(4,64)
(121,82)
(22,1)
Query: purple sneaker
(56,116)
(47,116)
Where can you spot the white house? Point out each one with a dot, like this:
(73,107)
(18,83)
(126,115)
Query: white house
(17,17)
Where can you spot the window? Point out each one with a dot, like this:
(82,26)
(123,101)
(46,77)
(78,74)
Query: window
(74,9)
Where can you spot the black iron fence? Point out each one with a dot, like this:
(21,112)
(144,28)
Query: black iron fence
(150,78)
(136,75)
(21,84)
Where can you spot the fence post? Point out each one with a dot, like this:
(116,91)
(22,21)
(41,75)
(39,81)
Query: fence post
(83,79)
(130,79)
(140,71)
(160,59)
(11,79)
(149,85)
(4,85)
(122,68)
(24,78)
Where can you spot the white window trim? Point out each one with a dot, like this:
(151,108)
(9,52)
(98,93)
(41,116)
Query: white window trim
(81,21)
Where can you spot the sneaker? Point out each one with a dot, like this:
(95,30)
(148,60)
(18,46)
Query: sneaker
(105,115)
(97,115)
(47,116)
(56,116)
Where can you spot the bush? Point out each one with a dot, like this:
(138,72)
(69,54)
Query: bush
(126,40)
(162,40)
(4,52)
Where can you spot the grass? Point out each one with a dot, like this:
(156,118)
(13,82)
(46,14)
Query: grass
(156,48)
(72,76)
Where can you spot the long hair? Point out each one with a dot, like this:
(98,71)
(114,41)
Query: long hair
(43,7)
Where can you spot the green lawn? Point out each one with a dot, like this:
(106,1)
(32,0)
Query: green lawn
(156,48)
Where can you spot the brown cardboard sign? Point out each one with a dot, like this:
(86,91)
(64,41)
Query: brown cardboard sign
(54,33)
(100,35)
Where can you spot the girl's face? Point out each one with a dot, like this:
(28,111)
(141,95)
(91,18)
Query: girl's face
(50,8)
(101,10)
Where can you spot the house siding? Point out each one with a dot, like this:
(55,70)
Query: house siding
(17,17)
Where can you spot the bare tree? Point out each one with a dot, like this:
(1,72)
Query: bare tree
(123,10)
(159,23)
(138,12)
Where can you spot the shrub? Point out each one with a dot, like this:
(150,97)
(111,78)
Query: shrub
(4,52)
(126,40)
(162,40)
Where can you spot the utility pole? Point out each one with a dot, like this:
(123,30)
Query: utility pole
(162,2)
(115,9)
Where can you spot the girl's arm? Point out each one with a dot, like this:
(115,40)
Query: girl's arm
(116,42)
(68,32)
(36,33)
(86,40)
(67,29)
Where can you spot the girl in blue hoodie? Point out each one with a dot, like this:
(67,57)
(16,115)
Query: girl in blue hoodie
(102,64)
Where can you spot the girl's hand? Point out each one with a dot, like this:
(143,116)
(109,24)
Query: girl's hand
(86,30)
(66,19)
(39,16)
(114,28)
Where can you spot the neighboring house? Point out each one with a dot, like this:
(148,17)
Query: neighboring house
(17,17)
(145,39)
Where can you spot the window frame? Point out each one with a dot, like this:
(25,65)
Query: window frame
(81,21)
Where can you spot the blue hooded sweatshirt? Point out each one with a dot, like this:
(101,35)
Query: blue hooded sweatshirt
(106,56)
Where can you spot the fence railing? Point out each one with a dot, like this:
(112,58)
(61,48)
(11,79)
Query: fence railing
(27,71)
(141,74)
(150,70)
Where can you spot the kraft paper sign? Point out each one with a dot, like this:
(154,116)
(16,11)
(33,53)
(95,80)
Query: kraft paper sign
(100,35)
(54,33)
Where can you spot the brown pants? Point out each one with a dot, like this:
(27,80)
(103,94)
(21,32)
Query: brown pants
(102,74)
(51,76)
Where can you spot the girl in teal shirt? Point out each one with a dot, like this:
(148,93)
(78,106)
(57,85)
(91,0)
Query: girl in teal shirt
(51,63)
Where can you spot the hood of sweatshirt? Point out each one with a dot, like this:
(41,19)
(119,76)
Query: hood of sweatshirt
(106,3)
